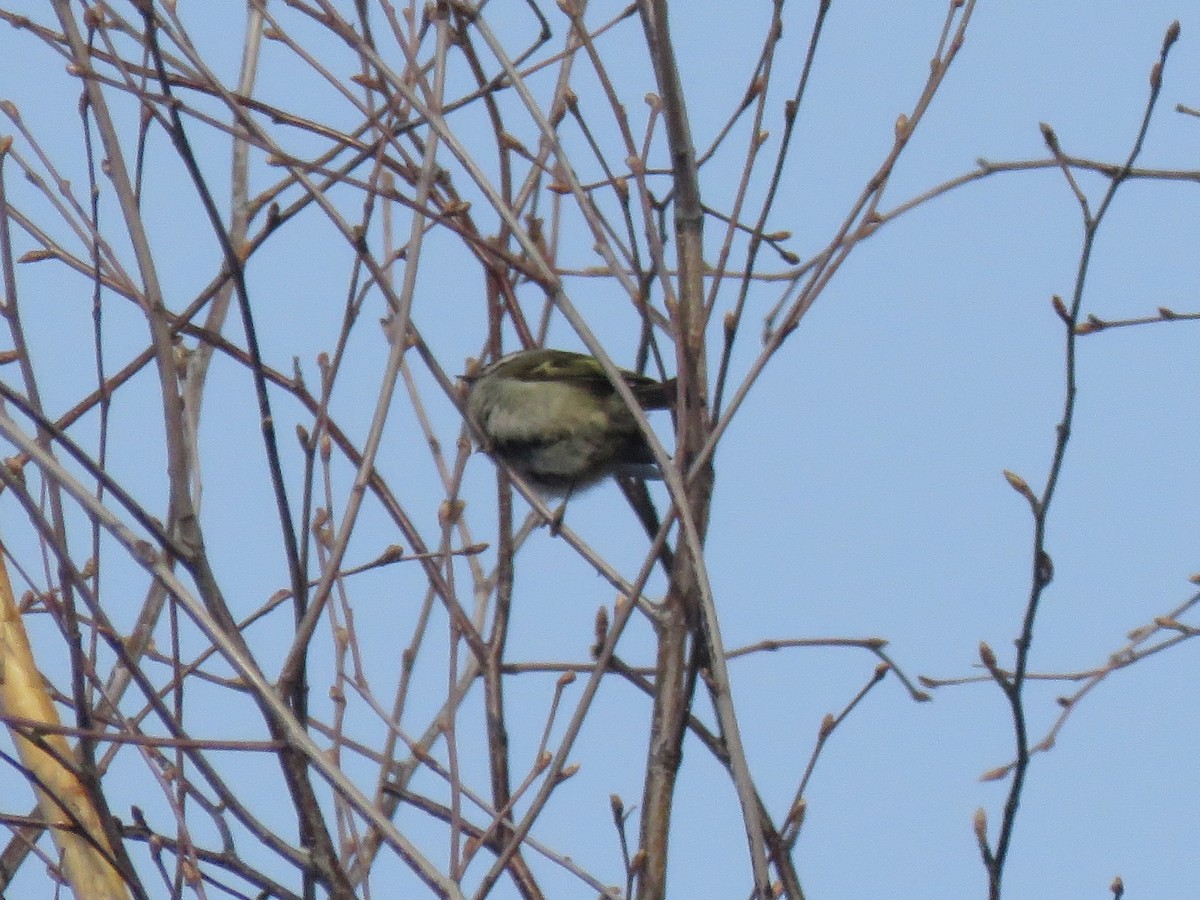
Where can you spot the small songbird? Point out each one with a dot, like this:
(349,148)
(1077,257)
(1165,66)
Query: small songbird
(554,417)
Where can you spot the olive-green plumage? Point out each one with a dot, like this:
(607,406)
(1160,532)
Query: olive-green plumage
(554,417)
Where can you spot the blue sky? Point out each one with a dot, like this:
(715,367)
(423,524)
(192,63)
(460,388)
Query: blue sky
(859,491)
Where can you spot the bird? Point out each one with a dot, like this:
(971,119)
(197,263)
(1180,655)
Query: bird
(554,417)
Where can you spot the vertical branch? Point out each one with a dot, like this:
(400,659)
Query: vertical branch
(689,599)
(673,694)
(152,297)
(1042,564)
(314,834)
(493,690)
(791,114)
